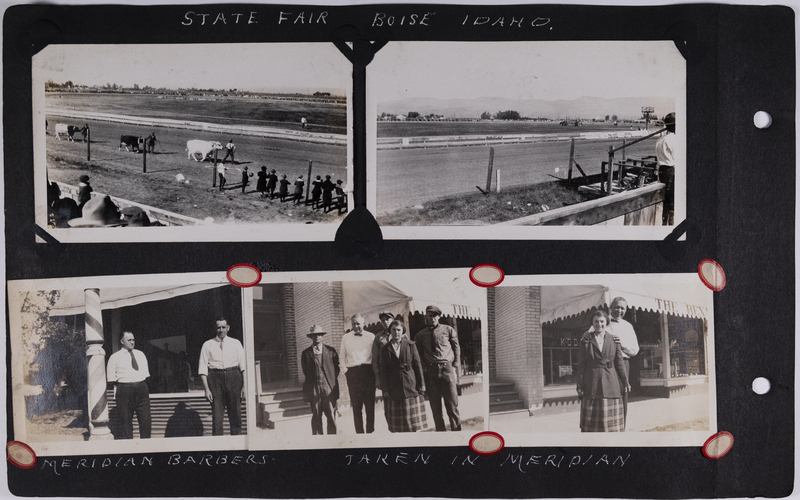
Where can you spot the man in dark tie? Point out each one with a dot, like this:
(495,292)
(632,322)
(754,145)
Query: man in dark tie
(356,364)
(440,352)
(128,370)
(320,365)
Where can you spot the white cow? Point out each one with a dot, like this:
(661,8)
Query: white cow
(69,131)
(202,148)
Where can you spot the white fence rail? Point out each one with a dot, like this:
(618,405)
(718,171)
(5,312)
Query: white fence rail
(487,140)
(252,130)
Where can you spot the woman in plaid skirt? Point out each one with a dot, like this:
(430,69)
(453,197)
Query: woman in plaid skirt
(601,379)
(402,382)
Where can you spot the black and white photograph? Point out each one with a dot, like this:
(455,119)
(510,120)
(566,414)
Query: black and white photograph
(631,355)
(206,138)
(98,365)
(518,134)
(375,358)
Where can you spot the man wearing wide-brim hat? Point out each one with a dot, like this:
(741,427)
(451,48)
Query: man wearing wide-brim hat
(441,358)
(100,211)
(320,364)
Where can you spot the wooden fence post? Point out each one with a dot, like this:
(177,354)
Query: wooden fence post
(610,168)
(308,181)
(623,149)
(144,159)
(491,166)
(571,156)
(88,144)
(214,172)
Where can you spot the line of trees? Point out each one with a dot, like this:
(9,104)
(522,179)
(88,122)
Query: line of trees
(502,115)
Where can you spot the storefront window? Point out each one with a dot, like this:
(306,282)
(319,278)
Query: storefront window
(561,356)
(686,347)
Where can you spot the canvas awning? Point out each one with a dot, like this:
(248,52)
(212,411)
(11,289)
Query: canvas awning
(560,302)
(369,298)
(72,302)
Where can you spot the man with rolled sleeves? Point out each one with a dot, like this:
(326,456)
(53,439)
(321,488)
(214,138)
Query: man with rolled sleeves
(128,370)
(221,369)
(625,336)
(441,359)
(356,363)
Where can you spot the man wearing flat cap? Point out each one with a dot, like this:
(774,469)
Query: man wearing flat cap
(320,364)
(441,359)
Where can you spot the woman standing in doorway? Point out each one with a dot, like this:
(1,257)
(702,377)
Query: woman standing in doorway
(600,371)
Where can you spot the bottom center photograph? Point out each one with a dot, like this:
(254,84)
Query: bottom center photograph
(368,362)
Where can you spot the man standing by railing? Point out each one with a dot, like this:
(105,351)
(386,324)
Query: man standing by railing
(665,153)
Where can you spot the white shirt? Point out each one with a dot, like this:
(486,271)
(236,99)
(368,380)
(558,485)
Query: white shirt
(120,367)
(665,150)
(396,348)
(220,355)
(356,350)
(627,337)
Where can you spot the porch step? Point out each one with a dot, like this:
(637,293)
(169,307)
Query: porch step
(511,404)
(502,416)
(278,406)
(496,397)
(504,397)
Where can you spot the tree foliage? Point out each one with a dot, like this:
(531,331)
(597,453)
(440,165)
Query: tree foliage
(508,115)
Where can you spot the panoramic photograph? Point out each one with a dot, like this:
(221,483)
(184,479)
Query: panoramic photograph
(529,133)
(156,135)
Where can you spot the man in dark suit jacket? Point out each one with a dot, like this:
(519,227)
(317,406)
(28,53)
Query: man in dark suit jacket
(320,365)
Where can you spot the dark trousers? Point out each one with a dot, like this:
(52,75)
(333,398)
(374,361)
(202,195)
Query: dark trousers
(229,152)
(627,363)
(322,405)
(134,398)
(361,385)
(226,389)
(441,383)
(666,174)
(221,181)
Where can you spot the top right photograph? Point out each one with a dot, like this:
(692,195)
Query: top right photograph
(518,134)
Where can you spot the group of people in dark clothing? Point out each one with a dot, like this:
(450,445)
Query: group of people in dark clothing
(322,191)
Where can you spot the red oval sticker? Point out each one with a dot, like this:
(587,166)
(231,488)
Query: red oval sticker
(718,445)
(486,275)
(711,274)
(21,455)
(244,275)
(486,443)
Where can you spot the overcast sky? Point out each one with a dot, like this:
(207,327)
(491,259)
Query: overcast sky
(526,70)
(280,66)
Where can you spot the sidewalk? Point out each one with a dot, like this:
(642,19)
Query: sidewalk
(643,415)
(469,406)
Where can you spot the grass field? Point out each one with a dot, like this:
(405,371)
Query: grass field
(478,209)
(321,116)
(417,129)
(119,173)
(412,177)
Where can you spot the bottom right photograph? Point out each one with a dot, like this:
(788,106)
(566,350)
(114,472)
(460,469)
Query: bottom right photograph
(595,354)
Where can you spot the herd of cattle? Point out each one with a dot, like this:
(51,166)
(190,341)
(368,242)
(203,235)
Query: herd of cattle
(198,150)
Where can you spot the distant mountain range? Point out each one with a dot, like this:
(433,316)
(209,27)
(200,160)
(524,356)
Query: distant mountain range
(583,107)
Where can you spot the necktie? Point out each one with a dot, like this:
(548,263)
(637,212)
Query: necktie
(133,361)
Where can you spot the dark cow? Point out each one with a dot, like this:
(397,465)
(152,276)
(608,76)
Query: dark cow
(69,131)
(130,141)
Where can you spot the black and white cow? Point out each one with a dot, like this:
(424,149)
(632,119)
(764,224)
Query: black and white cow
(69,131)
(130,141)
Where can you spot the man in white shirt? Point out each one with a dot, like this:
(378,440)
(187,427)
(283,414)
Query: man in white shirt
(128,370)
(625,336)
(665,153)
(355,359)
(221,369)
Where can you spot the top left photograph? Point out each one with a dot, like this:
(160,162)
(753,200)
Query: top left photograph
(194,142)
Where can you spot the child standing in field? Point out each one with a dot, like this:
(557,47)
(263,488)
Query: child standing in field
(272,183)
(339,202)
(284,190)
(327,193)
(261,185)
(221,172)
(316,192)
(298,190)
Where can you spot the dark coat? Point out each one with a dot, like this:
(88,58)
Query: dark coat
(401,377)
(261,185)
(600,373)
(330,366)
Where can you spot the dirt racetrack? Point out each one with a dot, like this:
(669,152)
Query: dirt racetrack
(408,177)
(119,173)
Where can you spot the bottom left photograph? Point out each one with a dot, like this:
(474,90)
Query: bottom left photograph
(138,362)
